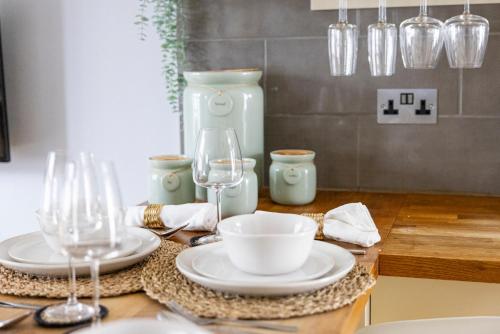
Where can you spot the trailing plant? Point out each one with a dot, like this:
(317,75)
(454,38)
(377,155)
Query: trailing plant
(167,17)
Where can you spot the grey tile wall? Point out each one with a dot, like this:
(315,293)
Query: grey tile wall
(332,137)
(225,54)
(336,117)
(481,87)
(458,155)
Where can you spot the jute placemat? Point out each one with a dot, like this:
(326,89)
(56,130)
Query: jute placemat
(113,284)
(319,219)
(162,281)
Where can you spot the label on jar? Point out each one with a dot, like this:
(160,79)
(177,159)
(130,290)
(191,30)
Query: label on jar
(292,175)
(220,104)
(171,182)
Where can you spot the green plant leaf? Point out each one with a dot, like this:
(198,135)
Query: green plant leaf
(167,18)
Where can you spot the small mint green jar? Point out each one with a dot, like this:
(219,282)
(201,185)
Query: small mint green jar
(241,199)
(171,180)
(292,177)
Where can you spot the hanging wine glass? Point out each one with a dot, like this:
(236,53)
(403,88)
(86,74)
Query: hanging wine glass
(382,44)
(343,44)
(466,39)
(421,40)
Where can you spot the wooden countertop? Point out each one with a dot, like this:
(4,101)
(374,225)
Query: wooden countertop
(444,237)
(450,237)
(427,236)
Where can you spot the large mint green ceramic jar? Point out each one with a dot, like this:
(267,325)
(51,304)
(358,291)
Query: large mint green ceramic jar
(241,199)
(171,180)
(226,99)
(292,177)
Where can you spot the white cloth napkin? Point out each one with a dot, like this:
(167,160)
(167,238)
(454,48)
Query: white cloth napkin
(200,216)
(351,223)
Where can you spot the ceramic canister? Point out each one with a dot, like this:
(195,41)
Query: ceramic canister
(292,177)
(241,199)
(171,180)
(226,99)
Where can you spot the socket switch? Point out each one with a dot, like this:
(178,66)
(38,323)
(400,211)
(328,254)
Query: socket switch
(407,106)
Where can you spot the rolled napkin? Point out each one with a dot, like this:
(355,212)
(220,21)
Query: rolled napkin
(351,223)
(200,216)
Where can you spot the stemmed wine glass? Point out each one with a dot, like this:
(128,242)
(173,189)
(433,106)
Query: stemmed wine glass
(466,39)
(421,40)
(49,217)
(92,224)
(343,44)
(215,146)
(382,44)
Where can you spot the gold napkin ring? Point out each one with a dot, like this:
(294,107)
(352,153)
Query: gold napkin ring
(152,217)
(319,219)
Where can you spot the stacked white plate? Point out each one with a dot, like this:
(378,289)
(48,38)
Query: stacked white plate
(29,253)
(209,266)
(150,326)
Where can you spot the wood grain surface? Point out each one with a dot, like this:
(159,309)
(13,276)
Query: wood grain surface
(445,237)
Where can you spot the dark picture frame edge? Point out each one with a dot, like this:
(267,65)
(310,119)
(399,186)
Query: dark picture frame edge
(4,126)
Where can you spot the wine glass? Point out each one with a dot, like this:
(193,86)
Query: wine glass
(421,40)
(382,44)
(92,224)
(49,216)
(466,39)
(215,146)
(343,44)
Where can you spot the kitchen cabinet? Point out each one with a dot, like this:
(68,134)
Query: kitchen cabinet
(403,298)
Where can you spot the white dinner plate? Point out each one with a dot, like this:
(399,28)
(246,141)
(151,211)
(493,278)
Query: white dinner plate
(344,262)
(215,263)
(34,249)
(149,243)
(149,326)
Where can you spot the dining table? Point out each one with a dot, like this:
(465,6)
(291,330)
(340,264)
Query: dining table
(406,223)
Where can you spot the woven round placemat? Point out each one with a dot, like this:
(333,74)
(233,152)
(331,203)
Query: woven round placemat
(114,284)
(162,281)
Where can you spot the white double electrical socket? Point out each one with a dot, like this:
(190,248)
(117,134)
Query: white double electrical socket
(407,106)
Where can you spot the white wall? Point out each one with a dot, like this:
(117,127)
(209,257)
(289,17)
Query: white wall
(79,78)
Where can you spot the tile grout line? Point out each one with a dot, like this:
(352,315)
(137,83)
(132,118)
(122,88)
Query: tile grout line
(362,35)
(264,83)
(358,147)
(319,114)
(366,115)
(261,38)
(256,39)
(471,116)
(460,91)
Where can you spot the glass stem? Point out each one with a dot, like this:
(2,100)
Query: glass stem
(94,273)
(218,193)
(467,7)
(382,11)
(343,11)
(218,199)
(423,7)
(71,282)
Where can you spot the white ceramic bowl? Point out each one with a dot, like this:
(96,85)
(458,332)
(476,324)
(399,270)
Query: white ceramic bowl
(268,243)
